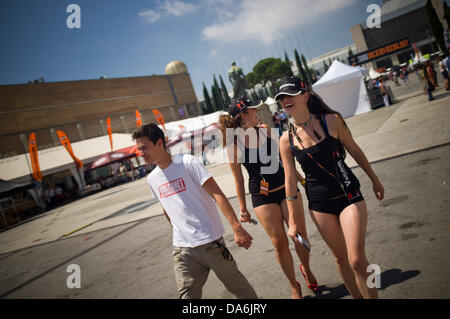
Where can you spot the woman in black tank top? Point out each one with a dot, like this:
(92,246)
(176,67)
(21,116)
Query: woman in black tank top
(339,213)
(252,146)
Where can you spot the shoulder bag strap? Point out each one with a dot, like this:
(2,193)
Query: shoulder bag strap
(310,156)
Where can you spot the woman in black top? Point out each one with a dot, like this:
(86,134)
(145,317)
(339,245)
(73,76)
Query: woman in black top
(258,153)
(340,214)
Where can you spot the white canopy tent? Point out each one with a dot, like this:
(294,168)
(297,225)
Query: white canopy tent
(273,106)
(175,128)
(418,58)
(343,89)
(373,74)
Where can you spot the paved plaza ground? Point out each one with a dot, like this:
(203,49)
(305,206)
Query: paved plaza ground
(123,243)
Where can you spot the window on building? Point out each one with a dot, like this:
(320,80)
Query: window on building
(385,63)
(80,131)
(181,112)
(192,109)
(124,125)
(103,126)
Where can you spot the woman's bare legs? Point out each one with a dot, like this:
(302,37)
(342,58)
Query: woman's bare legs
(353,221)
(302,253)
(271,218)
(330,229)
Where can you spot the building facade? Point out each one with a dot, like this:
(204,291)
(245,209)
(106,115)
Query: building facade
(81,108)
(338,54)
(400,19)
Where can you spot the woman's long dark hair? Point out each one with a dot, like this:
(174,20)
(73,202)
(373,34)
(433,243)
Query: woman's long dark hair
(318,107)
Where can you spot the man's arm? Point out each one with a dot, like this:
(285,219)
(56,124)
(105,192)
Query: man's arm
(241,236)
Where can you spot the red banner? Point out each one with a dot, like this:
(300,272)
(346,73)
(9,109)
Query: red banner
(108,126)
(66,143)
(32,147)
(138,118)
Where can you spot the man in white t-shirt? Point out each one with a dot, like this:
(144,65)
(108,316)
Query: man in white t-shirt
(187,193)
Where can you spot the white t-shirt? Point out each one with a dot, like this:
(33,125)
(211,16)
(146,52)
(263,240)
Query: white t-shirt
(192,211)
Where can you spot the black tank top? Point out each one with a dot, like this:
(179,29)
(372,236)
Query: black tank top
(319,184)
(254,169)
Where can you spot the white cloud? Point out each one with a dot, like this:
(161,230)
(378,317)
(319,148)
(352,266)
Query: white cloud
(149,16)
(168,8)
(266,20)
(178,8)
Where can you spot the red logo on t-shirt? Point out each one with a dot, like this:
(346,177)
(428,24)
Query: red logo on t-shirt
(171,188)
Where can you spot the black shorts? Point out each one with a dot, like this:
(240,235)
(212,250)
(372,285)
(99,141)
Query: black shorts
(334,206)
(445,74)
(273,198)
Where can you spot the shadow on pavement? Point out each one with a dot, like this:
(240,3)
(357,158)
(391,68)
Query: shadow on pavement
(388,278)
(441,95)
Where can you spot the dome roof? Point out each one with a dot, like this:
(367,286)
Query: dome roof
(176,67)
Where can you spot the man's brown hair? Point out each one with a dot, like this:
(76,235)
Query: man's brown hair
(150,131)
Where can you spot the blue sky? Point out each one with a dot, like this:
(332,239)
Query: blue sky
(121,38)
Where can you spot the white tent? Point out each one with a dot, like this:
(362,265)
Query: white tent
(419,59)
(273,106)
(343,89)
(57,159)
(373,74)
(176,128)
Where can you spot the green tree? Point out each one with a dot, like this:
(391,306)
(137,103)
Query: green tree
(350,52)
(218,91)
(325,67)
(270,70)
(286,59)
(436,26)
(302,72)
(226,97)
(217,99)
(208,105)
(251,79)
(255,96)
(308,72)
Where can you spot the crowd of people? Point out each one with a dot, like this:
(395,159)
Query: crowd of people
(319,141)
(280,121)
(428,75)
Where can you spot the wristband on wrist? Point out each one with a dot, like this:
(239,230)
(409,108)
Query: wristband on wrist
(303,182)
(291,197)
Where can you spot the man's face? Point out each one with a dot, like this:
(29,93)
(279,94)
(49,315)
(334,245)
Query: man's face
(149,151)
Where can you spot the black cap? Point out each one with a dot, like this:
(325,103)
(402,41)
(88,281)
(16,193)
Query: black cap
(292,86)
(239,104)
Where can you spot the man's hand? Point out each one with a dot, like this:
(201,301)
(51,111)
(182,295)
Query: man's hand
(242,237)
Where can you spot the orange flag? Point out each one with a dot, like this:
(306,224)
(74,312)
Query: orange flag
(66,143)
(138,118)
(32,147)
(159,117)
(108,126)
